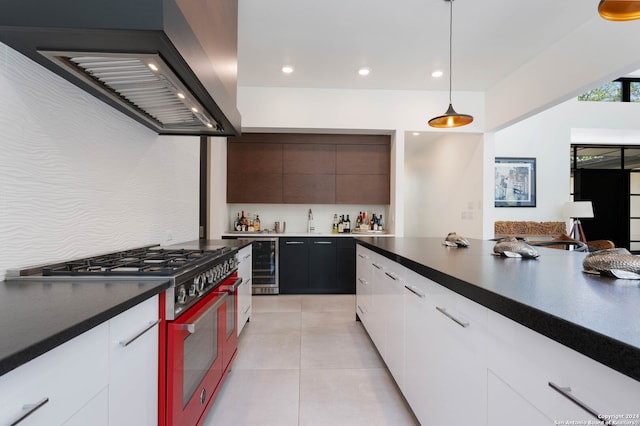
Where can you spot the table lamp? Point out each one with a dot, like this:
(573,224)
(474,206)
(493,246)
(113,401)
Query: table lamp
(577,210)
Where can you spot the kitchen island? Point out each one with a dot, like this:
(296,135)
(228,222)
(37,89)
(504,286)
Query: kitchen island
(502,337)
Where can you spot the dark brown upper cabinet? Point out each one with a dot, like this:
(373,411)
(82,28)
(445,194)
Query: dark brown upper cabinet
(310,169)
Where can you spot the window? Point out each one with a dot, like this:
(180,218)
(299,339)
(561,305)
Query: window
(624,89)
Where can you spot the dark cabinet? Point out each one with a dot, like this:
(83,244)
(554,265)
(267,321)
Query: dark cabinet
(317,265)
(308,169)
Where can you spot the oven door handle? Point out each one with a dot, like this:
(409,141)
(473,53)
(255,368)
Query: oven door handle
(232,287)
(191,327)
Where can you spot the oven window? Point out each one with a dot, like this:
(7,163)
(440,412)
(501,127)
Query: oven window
(200,352)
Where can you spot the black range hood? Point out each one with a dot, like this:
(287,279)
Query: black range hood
(169,64)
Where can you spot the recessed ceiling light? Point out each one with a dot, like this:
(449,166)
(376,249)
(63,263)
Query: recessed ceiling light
(153,67)
(181,95)
(416,133)
(194,109)
(437,74)
(287,69)
(364,71)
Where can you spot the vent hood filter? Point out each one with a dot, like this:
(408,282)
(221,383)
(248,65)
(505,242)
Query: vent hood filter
(144,84)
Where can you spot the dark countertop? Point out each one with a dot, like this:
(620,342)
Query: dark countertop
(212,244)
(39,315)
(596,316)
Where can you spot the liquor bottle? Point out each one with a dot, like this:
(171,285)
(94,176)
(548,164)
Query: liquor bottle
(359,220)
(236,223)
(373,222)
(243,222)
(341,224)
(334,229)
(347,225)
(380,223)
(256,224)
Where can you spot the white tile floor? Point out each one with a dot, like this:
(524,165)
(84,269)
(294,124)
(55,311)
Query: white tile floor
(304,360)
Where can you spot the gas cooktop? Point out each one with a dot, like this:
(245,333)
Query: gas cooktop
(135,262)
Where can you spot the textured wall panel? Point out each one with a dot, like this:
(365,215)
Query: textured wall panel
(79,178)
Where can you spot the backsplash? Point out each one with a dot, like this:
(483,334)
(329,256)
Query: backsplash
(79,178)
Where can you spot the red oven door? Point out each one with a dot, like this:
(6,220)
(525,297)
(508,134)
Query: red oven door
(195,362)
(230,346)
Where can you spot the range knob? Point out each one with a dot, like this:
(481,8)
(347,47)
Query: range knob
(181,297)
(200,283)
(192,290)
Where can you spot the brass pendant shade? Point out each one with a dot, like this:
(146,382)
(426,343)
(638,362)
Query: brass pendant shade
(450,118)
(619,10)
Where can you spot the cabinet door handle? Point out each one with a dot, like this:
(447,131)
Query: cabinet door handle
(360,309)
(246,310)
(392,276)
(363,282)
(377,266)
(125,343)
(29,409)
(566,392)
(293,243)
(362,256)
(322,242)
(452,318)
(413,289)
(246,257)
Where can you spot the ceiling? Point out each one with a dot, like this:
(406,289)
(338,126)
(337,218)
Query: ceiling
(401,41)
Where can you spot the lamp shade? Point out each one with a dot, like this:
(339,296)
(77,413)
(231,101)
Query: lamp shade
(578,209)
(619,10)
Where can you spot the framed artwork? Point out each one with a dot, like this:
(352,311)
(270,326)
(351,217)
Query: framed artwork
(515,182)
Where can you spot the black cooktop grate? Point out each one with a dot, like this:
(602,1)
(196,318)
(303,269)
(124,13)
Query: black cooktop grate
(142,261)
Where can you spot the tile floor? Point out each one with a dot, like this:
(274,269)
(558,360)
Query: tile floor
(304,360)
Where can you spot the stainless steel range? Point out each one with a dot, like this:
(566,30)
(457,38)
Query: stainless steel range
(193,272)
(198,327)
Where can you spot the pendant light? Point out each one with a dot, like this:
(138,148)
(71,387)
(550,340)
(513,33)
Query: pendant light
(450,118)
(619,10)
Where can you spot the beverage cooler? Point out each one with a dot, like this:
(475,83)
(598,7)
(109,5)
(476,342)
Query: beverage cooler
(264,253)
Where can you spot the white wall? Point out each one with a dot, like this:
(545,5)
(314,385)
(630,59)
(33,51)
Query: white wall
(443,185)
(79,178)
(548,137)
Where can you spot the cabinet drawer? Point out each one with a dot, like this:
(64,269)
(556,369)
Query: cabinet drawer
(63,380)
(531,363)
(133,365)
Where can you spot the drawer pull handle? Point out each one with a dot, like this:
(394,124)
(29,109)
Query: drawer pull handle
(362,256)
(294,243)
(392,276)
(246,257)
(452,318)
(413,289)
(360,309)
(246,310)
(363,282)
(377,266)
(29,410)
(152,324)
(322,242)
(566,392)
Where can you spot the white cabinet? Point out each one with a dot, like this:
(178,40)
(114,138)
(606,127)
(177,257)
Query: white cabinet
(244,290)
(445,353)
(547,375)
(107,375)
(392,305)
(363,285)
(59,383)
(133,365)
(419,312)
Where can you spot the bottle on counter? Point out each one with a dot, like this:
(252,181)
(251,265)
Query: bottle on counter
(256,224)
(243,222)
(374,222)
(347,225)
(341,224)
(380,223)
(359,221)
(236,223)
(334,228)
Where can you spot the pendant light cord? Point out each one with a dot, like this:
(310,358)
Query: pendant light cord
(450,48)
